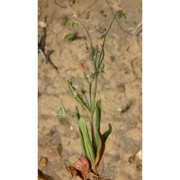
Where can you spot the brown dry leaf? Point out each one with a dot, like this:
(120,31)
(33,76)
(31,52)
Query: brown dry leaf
(82,164)
(76,172)
(100,151)
(80,168)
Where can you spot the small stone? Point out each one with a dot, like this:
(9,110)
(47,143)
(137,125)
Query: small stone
(119,109)
(42,24)
(139,155)
(71,128)
(43,161)
(113,58)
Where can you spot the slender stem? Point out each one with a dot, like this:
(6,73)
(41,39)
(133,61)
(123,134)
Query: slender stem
(90,98)
(94,94)
(109,29)
(105,35)
(85,97)
(91,47)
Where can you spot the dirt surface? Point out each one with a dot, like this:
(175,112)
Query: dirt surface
(119,87)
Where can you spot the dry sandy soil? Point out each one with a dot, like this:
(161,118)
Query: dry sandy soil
(119,87)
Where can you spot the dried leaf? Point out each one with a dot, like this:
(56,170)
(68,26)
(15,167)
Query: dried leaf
(82,164)
(100,151)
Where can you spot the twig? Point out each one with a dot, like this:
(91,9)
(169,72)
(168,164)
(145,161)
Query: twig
(136,28)
(117,19)
(47,58)
(41,49)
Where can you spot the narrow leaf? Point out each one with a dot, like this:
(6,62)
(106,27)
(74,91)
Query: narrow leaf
(107,133)
(86,140)
(100,151)
(82,143)
(71,89)
(97,124)
(76,115)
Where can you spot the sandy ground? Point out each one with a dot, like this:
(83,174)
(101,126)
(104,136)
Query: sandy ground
(119,87)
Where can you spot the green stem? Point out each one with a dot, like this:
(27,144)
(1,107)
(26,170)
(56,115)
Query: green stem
(109,28)
(94,94)
(105,36)
(85,97)
(90,98)
(91,47)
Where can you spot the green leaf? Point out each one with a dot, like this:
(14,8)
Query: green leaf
(55,113)
(77,97)
(62,112)
(101,68)
(70,37)
(82,143)
(98,114)
(107,133)
(121,14)
(73,24)
(76,115)
(71,89)
(97,123)
(86,140)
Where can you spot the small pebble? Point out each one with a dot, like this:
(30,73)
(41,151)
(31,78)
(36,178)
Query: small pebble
(42,24)
(113,58)
(119,109)
(139,155)
(71,128)
(43,161)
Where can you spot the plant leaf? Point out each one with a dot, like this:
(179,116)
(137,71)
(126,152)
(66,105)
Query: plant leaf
(62,112)
(97,124)
(77,118)
(71,89)
(107,133)
(76,114)
(82,143)
(77,97)
(74,24)
(100,150)
(101,145)
(86,140)
(70,37)
(121,14)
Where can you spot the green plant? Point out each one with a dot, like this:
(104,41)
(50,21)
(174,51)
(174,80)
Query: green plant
(92,140)
(70,37)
